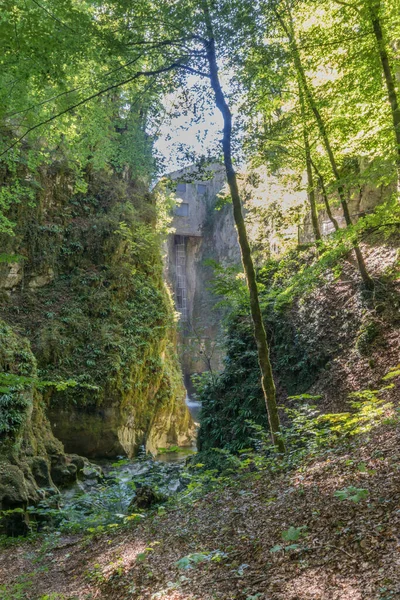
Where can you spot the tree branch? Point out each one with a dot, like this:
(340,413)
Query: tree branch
(170,67)
(53,16)
(195,71)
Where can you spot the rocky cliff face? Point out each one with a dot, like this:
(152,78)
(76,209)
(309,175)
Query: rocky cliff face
(82,299)
(32,460)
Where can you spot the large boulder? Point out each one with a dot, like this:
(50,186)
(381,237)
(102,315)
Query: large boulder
(63,471)
(40,469)
(16,492)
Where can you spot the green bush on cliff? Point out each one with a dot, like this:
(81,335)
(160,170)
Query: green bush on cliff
(18,370)
(13,408)
(93,302)
(99,294)
(232,398)
(306,330)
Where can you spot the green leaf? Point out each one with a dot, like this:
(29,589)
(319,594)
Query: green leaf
(294,533)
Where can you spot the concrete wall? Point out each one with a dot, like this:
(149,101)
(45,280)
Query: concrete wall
(207,234)
(199,194)
(360,202)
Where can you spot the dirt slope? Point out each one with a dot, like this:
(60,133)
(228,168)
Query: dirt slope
(348,551)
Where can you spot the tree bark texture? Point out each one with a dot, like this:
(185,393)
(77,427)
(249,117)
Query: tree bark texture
(310,179)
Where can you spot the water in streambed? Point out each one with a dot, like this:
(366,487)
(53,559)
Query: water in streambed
(194,407)
(109,486)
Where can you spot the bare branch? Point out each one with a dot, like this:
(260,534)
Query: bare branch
(195,71)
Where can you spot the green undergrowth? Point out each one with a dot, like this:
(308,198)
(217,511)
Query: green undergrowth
(24,585)
(107,504)
(308,323)
(310,436)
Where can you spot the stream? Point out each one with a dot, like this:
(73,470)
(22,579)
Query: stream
(106,492)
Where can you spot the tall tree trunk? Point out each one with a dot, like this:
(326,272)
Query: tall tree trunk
(310,180)
(325,196)
(369,284)
(374,7)
(267,379)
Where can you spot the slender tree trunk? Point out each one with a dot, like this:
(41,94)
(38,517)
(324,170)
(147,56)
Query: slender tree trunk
(325,196)
(311,190)
(267,379)
(368,282)
(310,180)
(374,8)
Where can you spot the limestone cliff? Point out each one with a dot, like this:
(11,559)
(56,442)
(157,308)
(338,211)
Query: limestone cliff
(85,298)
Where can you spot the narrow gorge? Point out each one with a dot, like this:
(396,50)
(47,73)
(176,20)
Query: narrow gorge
(88,325)
(199,300)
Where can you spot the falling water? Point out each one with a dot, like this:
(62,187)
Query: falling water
(194,407)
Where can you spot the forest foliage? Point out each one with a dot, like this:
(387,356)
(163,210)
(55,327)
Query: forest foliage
(309,87)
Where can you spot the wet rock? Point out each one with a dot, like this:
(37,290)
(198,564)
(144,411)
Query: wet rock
(143,468)
(41,471)
(175,486)
(63,471)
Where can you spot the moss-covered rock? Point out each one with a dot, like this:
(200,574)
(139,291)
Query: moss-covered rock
(89,297)
(26,440)
(40,469)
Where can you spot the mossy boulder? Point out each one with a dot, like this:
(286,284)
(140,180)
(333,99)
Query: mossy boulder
(29,453)
(16,492)
(63,471)
(146,497)
(40,469)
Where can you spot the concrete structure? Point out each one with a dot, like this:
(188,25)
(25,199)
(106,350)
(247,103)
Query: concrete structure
(196,194)
(199,232)
(361,201)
